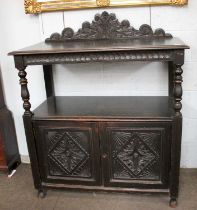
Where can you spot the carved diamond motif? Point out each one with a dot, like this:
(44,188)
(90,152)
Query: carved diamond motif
(68,154)
(133,154)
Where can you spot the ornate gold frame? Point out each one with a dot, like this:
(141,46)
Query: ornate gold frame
(38,6)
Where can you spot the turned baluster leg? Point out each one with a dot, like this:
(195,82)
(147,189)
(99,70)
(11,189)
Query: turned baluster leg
(27,118)
(24,91)
(177,129)
(178,89)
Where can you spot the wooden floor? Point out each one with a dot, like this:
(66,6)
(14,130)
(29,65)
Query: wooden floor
(18,193)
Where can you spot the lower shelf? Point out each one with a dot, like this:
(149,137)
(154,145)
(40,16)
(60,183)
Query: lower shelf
(105,107)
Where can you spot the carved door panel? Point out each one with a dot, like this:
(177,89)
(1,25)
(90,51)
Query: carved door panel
(136,154)
(68,152)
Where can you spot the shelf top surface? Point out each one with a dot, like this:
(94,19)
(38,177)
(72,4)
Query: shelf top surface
(102,46)
(104,107)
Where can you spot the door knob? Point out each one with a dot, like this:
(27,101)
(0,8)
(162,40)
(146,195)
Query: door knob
(104,156)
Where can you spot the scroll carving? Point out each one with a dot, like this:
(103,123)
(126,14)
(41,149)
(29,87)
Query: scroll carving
(24,91)
(107,26)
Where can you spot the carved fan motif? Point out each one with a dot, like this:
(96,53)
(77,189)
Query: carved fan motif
(107,26)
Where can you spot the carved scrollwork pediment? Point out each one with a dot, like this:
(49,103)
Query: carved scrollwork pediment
(107,26)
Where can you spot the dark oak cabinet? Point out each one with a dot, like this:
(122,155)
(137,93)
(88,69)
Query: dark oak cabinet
(106,143)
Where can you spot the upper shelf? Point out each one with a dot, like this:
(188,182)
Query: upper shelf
(102,46)
(105,33)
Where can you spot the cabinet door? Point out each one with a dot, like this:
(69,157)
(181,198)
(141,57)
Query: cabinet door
(68,152)
(136,154)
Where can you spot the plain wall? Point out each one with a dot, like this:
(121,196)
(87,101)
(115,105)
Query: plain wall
(19,30)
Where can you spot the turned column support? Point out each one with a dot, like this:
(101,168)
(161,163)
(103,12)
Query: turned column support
(177,81)
(23,82)
(176,74)
(178,92)
(19,64)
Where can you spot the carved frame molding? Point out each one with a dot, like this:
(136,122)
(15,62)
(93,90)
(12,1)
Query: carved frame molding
(38,6)
(164,55)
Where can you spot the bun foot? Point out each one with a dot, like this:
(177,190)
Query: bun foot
(173,202)
(42,193)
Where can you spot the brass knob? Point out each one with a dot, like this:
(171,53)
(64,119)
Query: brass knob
(104,156)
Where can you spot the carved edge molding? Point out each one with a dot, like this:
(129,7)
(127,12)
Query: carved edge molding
(98,57)
(33,6)
(107,26)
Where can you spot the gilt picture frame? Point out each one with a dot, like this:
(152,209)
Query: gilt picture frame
(38,6)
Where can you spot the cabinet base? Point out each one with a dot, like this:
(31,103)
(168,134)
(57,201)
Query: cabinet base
(102,188)
(43,191)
